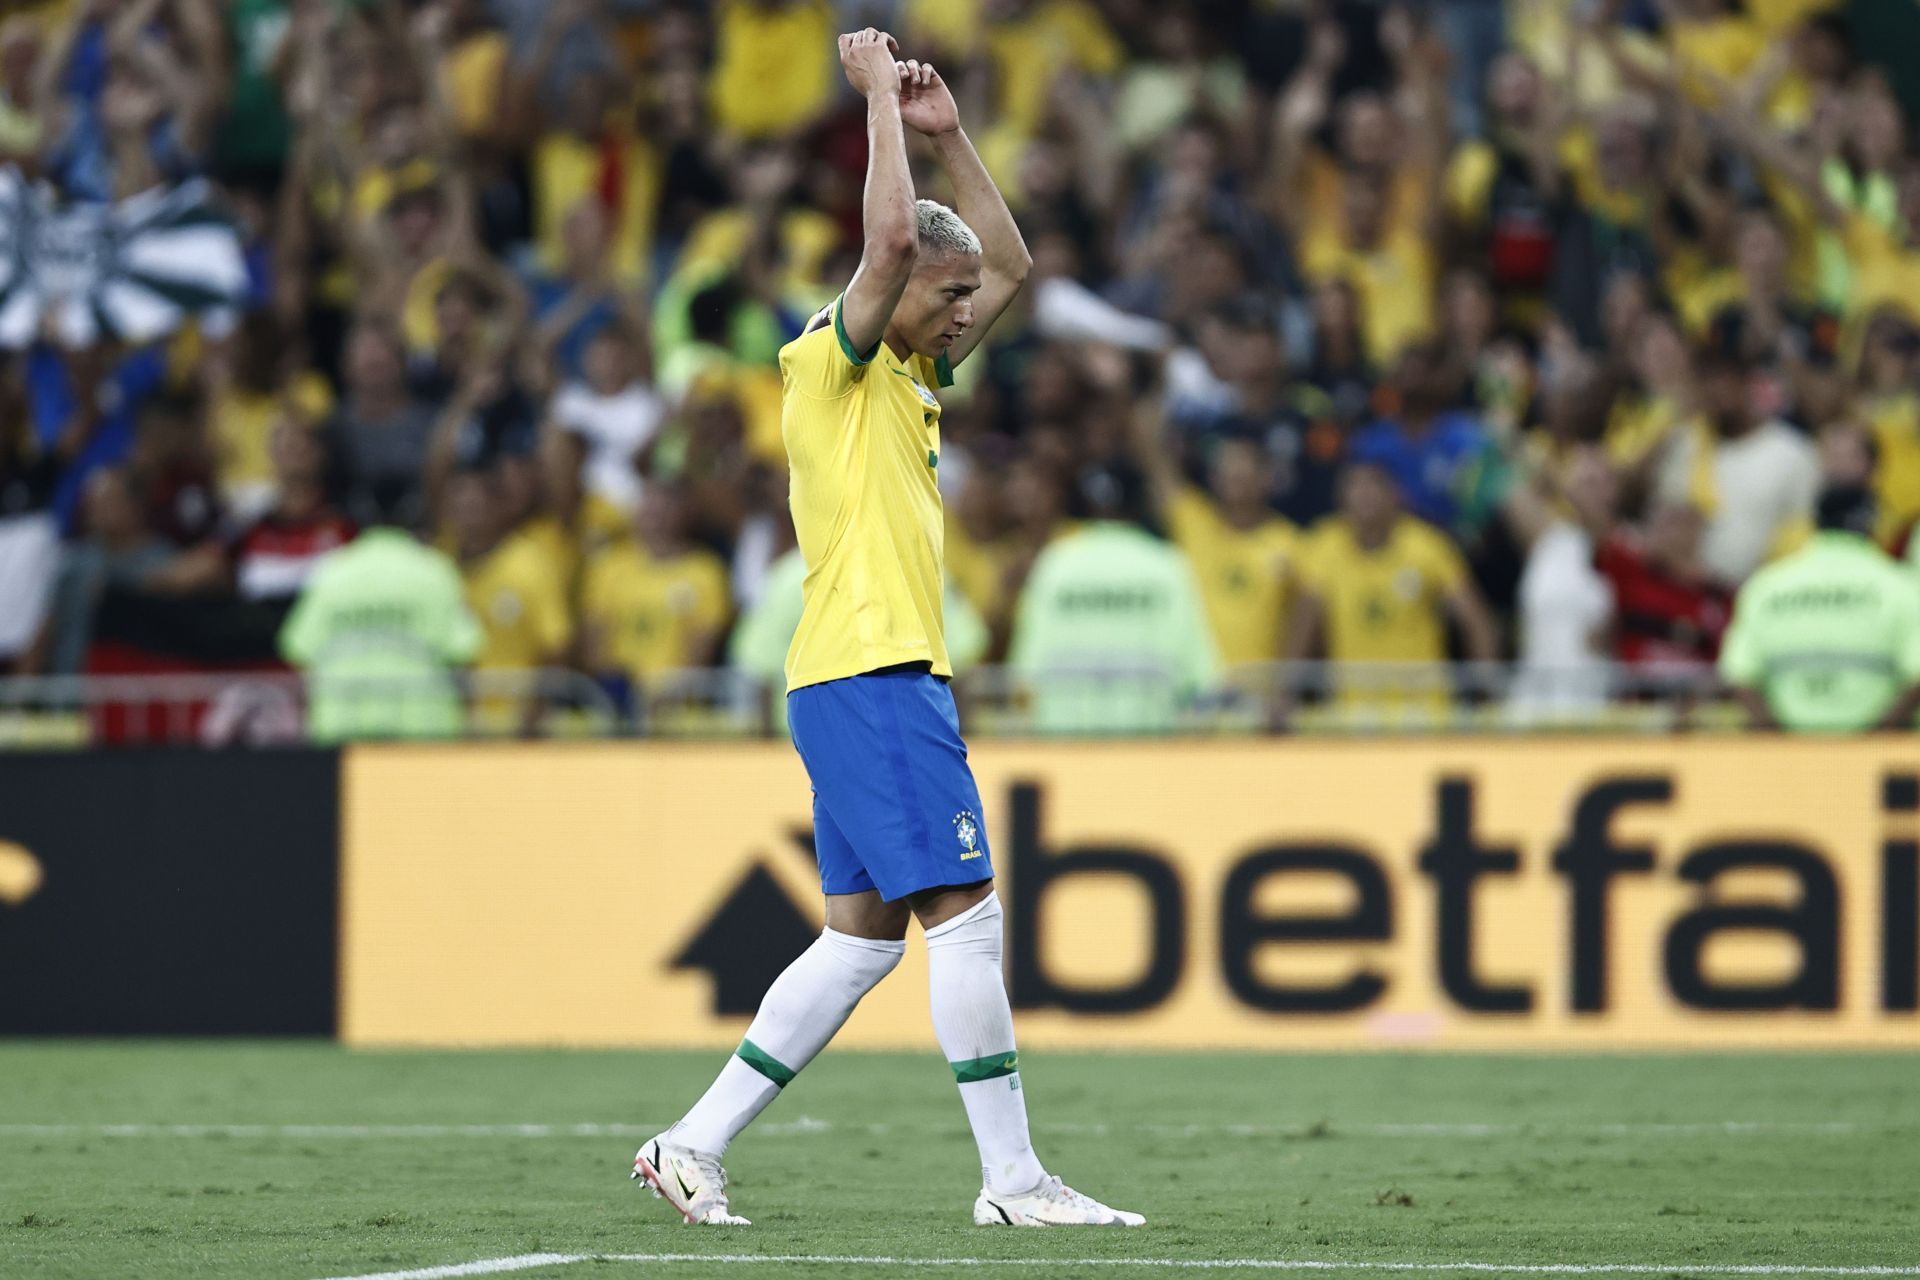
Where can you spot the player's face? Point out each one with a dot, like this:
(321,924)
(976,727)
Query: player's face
(937,306)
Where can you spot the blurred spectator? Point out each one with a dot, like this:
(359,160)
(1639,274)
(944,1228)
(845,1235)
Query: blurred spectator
(515,585)
(173,463)
(614,411)
(1243,393)
(29,531)
(254,380)
(380,434)
(577,300)
(275,555)
(571,524)
(586,145)
(142,87)
(1241,552)
(1111,634)
(1365,211)
(773,65)
(119,551)
(1380,586)
(1671,610)
(1566,603)
(379,630)
(1181,76)
(1752,476)
(1885,396)
(1828,639)
(654,603)
(1341,369)
(1443,462)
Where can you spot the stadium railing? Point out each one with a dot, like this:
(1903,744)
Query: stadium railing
(269,708)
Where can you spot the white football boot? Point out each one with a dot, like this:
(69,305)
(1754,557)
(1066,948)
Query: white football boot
(691,1181)
(1051,1204)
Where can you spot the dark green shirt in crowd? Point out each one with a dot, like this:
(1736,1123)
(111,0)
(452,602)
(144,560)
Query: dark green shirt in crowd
(1829,636)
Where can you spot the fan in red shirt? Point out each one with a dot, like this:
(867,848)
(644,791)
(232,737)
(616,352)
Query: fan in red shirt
(1669,612)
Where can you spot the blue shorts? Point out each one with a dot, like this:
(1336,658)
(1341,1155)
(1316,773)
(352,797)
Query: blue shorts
(895,807)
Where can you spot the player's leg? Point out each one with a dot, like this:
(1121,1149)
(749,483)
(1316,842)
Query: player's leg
(974,1022)
(803,1009)
(932,852)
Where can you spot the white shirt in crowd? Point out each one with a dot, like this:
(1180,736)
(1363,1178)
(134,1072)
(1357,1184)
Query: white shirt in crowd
(29,558)
(1566,606)
(616,428)
(1761,482)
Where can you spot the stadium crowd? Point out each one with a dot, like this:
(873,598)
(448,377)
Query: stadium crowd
(1522,330)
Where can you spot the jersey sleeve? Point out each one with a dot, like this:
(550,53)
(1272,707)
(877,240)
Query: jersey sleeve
(822,362)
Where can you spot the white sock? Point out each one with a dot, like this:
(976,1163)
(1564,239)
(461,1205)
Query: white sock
(801,1011)
(974,1022)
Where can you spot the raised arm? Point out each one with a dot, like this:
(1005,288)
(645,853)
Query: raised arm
(887,216)
(927,105)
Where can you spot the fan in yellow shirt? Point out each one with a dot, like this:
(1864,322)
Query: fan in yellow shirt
(1032,43)
(573,525)
(593,152)
(516,588)
(1391,269)
(773,69)
(1242,553)
(655,602)
(1378,586)
(514,584)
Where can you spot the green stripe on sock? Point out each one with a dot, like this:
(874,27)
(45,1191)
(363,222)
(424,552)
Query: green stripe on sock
(1000,1064)
(763,1062)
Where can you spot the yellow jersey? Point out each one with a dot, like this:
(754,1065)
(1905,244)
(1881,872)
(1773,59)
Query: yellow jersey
(1243,575)
(1394,282)
(565,170)
(862,431)
(773,71)
(518,590)
(598,525)
(1383,605)
(649,613)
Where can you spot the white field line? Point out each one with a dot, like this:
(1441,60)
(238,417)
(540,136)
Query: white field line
(804,1125)
(532,1261)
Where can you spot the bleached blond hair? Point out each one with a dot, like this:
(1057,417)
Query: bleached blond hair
(942,230)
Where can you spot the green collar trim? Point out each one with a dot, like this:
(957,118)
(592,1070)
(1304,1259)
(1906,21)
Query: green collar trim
(840,332)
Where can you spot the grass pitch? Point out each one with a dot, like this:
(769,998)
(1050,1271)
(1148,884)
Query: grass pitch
(302,1161)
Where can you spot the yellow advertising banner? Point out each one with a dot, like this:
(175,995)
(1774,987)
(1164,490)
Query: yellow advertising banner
(1276,894)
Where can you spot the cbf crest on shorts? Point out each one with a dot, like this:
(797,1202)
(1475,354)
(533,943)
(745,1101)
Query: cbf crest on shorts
(967,828)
